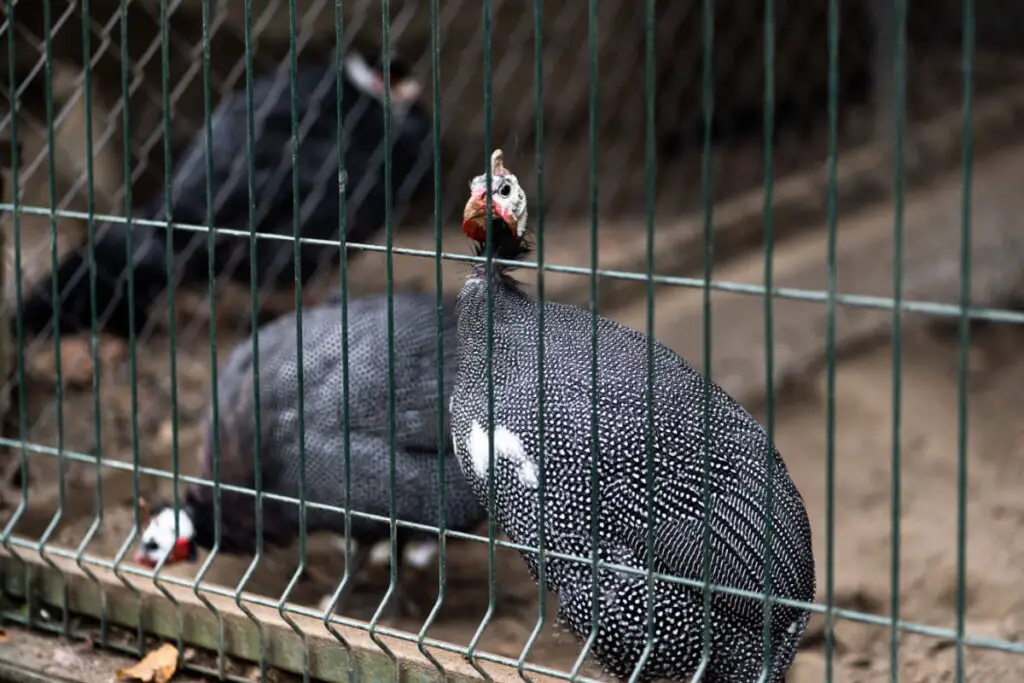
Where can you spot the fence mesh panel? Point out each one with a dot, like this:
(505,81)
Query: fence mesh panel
(812,202)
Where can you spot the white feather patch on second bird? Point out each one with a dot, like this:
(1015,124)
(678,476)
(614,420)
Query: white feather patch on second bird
(506,445)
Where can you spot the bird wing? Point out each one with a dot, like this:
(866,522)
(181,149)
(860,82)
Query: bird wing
(736,492)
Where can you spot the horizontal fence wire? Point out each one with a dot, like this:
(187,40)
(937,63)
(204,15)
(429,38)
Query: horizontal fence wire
(888,303)
(852,615)
(170,89)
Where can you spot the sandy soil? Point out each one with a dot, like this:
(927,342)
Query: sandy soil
(35,657)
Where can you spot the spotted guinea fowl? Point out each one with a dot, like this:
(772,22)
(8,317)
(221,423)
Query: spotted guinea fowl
(319,179)
(742,464)
(416,436)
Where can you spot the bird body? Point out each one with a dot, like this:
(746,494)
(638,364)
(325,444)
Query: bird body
(319,175)
(417,403)
(320,179)
(671,505)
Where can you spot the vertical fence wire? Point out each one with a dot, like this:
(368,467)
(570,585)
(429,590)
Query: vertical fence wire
(214,429)
(389,276)
(650,161)
(172,331)
(442,369)
(257,431)
(707,106)
(94,347)
(769,322)
(489,360)
(899,82)
(343,140)
(542,481)
(133,367)
(19,318)
(300,378)
(964,337)
(831,219)
(595,454)
(62,463)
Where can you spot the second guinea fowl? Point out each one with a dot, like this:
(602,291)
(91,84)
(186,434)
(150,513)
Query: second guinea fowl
(320,179)
(417,407)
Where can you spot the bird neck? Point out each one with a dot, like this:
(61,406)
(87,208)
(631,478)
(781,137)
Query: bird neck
(505,244)
(514,324)
(508,250)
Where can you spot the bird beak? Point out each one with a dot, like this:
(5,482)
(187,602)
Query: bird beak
(473,214)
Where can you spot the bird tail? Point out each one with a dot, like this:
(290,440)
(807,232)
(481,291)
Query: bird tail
(109,252)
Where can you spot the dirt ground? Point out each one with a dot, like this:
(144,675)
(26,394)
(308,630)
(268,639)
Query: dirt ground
(34,657)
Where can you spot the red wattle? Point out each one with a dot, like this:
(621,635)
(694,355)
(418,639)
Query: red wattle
(180,551)
(474,230)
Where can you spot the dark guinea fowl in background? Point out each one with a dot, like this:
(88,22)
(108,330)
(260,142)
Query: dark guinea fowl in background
(320,180)
(742,465)
(417,488)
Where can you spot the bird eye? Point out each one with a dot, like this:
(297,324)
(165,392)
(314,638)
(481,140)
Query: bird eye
(505,190)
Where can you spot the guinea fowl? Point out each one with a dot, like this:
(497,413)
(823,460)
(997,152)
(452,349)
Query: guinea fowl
(319,178)
(737,449)
(416,436)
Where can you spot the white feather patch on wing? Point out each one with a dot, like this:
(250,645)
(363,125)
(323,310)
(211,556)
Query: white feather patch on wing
(507,445)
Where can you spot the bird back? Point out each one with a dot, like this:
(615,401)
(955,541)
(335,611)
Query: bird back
(417,405)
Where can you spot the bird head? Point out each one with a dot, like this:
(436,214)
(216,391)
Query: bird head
(369,78)
(508,215)
(159,539)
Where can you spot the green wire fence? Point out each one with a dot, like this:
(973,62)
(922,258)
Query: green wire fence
(892,97)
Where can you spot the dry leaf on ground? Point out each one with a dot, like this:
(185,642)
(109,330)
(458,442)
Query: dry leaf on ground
(156,667)
(4,635)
